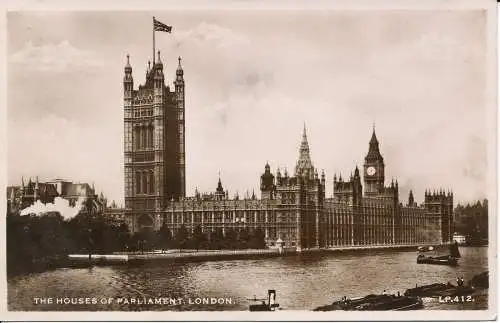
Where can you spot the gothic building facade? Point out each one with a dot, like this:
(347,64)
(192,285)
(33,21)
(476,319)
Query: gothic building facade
(292,207)
(154,139)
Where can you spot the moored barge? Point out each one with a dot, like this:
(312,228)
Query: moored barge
(441,260)
(374,302)
(438,289)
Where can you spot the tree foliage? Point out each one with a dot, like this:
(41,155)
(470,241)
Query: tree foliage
(165,239)
(40,241)
(36,242)
(472,219)
(97,234)
(181,237)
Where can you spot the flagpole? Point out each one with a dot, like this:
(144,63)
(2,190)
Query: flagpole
(153,40)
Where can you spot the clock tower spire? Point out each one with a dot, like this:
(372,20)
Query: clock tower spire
(373,168)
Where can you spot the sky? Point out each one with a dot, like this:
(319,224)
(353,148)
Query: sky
(253,78)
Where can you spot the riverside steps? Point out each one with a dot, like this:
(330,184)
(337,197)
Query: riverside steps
(187,255)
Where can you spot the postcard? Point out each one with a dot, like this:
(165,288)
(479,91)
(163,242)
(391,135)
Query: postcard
(195,161)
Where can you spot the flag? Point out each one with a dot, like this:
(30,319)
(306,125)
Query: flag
(159,26)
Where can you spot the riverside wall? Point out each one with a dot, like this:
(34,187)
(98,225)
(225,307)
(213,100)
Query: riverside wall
(214,255)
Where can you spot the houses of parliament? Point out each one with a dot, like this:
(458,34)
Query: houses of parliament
(292,208)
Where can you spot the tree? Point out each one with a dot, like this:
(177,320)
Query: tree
(164,237)
(230,239)
(148,239)
(258,239)
(243,238)
(181,237)
(77,228)
(123,237)
(216,239)
(97,234)
(35,242)
(199,239)
(472,220)
(134,242)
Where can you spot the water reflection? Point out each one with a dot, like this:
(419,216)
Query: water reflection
(302,282)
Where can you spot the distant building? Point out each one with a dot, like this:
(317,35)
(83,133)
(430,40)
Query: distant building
(21,197)
(73,191)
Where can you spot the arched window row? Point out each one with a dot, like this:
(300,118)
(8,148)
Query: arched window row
(144,182)
(144,137)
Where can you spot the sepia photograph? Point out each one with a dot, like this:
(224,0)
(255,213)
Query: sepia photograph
(327,158)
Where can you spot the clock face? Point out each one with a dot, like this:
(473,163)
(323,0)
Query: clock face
(371,170)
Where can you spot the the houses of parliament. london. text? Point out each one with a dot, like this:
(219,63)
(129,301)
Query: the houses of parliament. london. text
(292,207)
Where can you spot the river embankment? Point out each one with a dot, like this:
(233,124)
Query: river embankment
(135,258)
(184,255)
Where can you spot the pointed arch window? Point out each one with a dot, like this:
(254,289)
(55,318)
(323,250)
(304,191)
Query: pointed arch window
(151,132)
(138,183)
(150,137)
(144,183)
(144,137)
(151,183)
(137,138)
(141,138)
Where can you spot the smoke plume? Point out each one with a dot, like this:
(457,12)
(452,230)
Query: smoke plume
(60,205)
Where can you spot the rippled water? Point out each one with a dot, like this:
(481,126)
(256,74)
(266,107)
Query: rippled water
(302,282)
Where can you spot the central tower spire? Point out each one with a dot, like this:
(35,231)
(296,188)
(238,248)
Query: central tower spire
(304,145)
(304,165)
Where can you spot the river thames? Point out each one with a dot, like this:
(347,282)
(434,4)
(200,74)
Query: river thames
(302,282)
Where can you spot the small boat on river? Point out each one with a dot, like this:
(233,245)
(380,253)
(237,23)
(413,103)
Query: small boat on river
(271,304)
(451,259)
(440,260)
(374,302)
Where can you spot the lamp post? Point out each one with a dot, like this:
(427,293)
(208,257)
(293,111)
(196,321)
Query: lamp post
(89,235)
(89,231)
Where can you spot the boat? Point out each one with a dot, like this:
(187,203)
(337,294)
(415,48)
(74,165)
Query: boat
(451,259)
(480,281)
(438,289)
(374,302)
(440,260)
(271,304)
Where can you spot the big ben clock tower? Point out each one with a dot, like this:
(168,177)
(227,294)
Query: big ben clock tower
(373,169)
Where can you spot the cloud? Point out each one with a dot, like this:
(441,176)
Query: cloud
(54,57)
(248,92)
(79,153)
(258,90)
